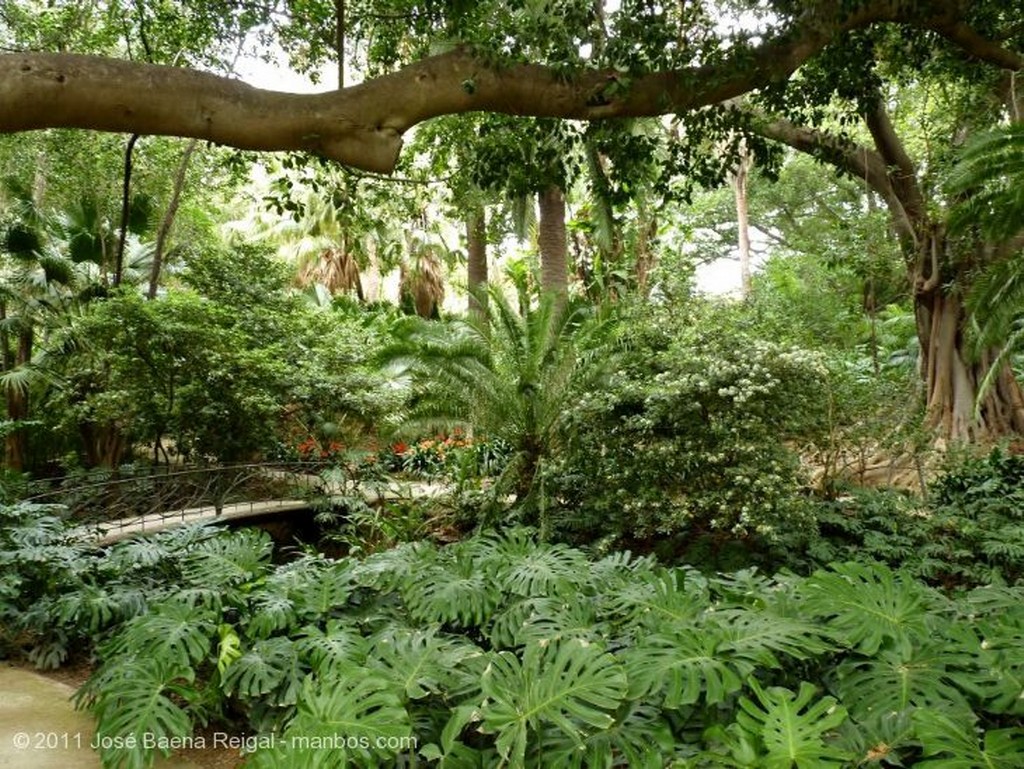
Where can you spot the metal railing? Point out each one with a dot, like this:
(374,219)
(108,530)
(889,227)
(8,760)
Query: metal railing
(181,494)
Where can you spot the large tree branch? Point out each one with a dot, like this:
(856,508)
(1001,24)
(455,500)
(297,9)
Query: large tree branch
(902,170)
(362,125)
(976,45)
(855,159)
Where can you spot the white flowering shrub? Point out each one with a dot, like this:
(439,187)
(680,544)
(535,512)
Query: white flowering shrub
(688,437)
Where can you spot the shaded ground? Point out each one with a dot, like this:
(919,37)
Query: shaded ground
(40,729)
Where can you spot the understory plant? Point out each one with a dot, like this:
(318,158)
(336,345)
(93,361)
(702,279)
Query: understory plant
(503,651)
(506,382)
(968,531)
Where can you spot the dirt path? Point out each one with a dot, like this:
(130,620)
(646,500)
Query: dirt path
(40,729)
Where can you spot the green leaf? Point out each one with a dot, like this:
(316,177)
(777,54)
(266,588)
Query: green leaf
(230,559)
(458,593)
(339,643)
(421,664)
(792,728)
(271,664)
(868,605)
(893,681)
(952,742)
(353,719)
(682,667)
(569,685)
(136,700)
(177,635)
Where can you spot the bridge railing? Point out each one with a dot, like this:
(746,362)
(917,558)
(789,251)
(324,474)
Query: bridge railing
(162,494)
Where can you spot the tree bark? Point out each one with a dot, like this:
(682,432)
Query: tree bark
(362,125)
(950,374)
(125,209)
(553,242)
(476,267)
(168,220)
(739,190)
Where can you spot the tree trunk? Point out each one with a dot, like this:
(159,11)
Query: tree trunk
(951,377)
(951,374)
(552,239)
(476,248)
(168,220)
(739,189)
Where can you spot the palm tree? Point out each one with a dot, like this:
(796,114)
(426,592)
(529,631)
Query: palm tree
(34,280)
(56,262)
(509,379)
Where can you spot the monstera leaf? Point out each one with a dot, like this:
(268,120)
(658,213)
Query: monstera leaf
(338,643)
(457,593)
(353,718)
(420,663)
(178,635)
(141,697)
(271,665)
(528,569)
(568,685)
(868,605)
(228,559)
(659,600)
(952,741)
(893,681)
(790,729)
(682,667)
(640,737)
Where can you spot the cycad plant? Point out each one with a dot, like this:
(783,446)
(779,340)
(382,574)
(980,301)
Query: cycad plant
(508,378)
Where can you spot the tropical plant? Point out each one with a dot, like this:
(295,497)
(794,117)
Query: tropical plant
(503,650)
(509,381)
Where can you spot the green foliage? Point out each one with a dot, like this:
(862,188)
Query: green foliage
(685,438)
(968,532)
(790,728)
(508,381)
(535,656)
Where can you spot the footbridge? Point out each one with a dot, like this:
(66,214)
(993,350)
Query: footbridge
(114,507)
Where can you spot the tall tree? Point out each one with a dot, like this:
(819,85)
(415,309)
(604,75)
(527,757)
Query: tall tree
(652,59)
(878,72)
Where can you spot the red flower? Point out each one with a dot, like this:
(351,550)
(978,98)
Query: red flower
(400,447)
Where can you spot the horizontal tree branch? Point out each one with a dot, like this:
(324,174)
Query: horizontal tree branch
(362,125)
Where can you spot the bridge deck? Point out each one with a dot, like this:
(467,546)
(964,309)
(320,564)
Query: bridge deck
(109,532)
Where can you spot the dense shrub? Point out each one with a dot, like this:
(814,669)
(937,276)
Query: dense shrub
(970,530)
(687,437)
